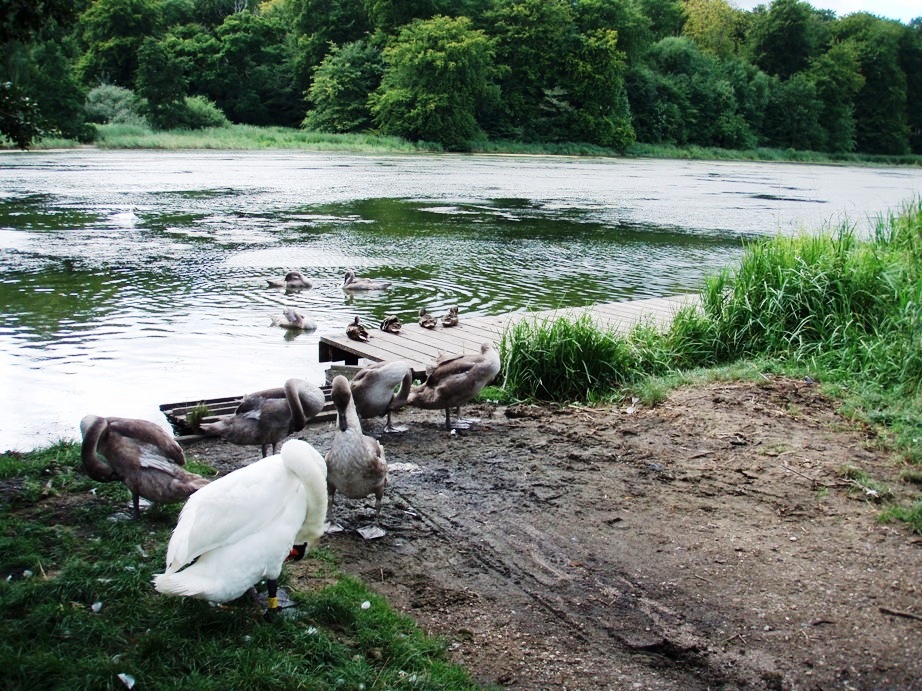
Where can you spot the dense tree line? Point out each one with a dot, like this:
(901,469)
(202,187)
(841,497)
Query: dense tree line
(606,72)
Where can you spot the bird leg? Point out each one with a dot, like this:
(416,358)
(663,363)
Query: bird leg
(272,602)
(463,423)
(265,448)
(389,428)
(136,500)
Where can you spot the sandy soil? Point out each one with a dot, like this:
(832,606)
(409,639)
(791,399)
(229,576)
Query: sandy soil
(709,542)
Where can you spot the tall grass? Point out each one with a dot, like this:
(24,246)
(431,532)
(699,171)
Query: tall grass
(77,608)
(248,137)
(830,303)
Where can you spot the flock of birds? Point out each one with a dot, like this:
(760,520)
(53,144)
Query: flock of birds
(239,529)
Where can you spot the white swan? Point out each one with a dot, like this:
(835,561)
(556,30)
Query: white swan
(355,462)
(294,319)
(140,454)
(266,417)
(373,390)
(243,527)
(454,381)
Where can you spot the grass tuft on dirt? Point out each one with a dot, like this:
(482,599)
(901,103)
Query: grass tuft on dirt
(79,610)
(829,306)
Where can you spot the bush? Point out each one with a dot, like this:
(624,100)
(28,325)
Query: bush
(108,103)
(198,113)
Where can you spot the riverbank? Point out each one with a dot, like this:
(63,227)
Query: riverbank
(248,137)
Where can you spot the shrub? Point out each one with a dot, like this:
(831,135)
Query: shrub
(197,113)
(108,103)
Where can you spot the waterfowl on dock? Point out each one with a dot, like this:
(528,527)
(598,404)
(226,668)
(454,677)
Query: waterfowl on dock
(451,319)
(355,461)
(426,320)
(357,332)
(391,324)
(373,390)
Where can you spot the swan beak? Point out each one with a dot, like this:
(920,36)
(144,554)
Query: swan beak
(297,552)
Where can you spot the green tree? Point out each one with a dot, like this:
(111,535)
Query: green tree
(694,94)
(667,17)
(112,32)
(533,39)
(161,84)
(715,26)
(622,16)
(438,72)
(389,15)
(793,114)
(881,117)
(838,80)
(256,71)
(320,24)
(910,52)
(341,87)
(23,25)
(783,40)
(598,112)
(58,94)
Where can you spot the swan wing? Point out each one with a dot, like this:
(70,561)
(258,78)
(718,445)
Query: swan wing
(231,508)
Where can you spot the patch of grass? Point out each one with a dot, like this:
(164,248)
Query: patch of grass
(195,416)
(78,609)
(911,515)
(249,137)
(860,481)
(843,310)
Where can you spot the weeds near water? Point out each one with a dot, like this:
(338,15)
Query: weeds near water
(79,611)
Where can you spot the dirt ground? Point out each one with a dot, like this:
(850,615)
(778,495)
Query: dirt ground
(709,542)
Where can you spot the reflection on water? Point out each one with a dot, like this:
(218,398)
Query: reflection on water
(134,279)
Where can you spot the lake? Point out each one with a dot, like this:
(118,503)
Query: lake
(131,279)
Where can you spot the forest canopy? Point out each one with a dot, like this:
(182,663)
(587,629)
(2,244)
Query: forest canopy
(455,72)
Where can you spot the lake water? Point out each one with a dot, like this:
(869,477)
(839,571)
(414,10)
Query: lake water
(114,313)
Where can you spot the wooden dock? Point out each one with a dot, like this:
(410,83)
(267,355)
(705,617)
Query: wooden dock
(177,413)
(419,346)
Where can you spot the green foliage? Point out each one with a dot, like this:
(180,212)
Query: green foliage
(667,17)
(786,38)
(112,32)
(75,588)
(437,74)
(911,515)
(108,103)
(716,26)
(533,40)
(198,113)
(881,117)
(19,116)
(341,86)
(584,73)
(58,95)
(160,84)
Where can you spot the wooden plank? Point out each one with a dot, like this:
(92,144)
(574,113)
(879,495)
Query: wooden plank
(419,346)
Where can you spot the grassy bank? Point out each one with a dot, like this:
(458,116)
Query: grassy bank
(79,611)
(843,311)
(248,137)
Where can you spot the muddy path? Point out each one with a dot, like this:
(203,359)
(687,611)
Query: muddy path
(709,542)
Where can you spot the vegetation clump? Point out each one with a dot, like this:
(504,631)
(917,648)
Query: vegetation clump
(667,73)
(840,309)
(79,610)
